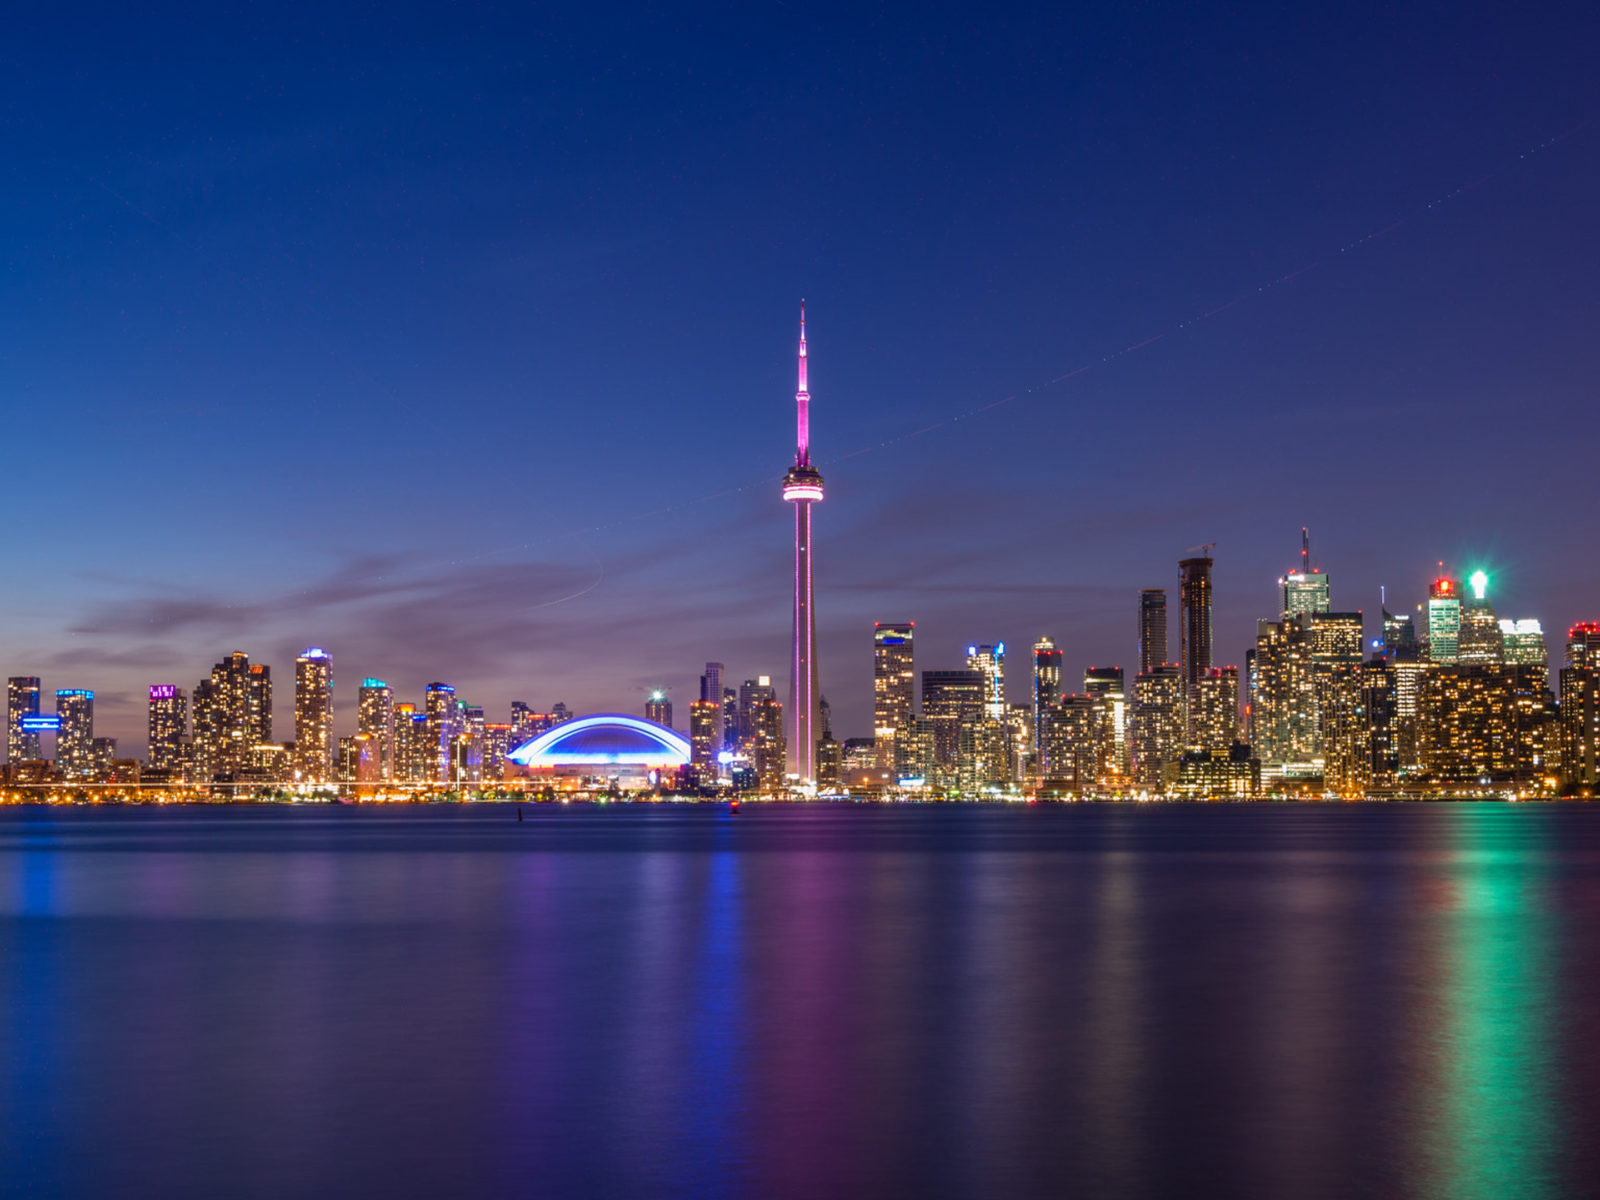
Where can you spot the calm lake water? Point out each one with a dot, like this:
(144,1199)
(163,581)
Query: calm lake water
(1164,1000)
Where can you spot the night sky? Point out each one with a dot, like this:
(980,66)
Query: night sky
(461,342)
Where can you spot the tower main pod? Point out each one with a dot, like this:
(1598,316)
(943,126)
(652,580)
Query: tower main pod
(802,486)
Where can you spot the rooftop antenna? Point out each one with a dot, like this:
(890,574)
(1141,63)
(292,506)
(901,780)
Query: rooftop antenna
(1305,551)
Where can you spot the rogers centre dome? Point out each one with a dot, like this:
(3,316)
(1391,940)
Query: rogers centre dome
(604,739)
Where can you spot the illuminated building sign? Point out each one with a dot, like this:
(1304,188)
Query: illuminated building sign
(40,724)
(163,691)
(74,692)
(370,682)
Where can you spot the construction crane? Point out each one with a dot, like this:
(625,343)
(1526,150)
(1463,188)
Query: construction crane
(1205,550)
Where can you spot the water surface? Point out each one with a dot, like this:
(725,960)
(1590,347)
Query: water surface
(632,1001)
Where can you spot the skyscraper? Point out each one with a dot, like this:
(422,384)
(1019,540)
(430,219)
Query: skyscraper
(375,722)
(658,708)
(990,662)
(1157,723)
(1444,620)
(1305,590)
(1194,596)
(168,726)
(313,715)
(439,713)
(951,699)
(1478,639)
(705,738)
(1152,629)
(1215,726)
(893,686)
(232,714)
(802,486)
(22,700)
(1580,709)
(1047,693)
(75,752)
(1523,641)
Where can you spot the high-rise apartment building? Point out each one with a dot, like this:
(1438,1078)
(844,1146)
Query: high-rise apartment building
(1485,724)
(705,737)
(496,745)
(168,727)
(1335,644)
(75,750)
(981,755)
(375,722)
(1046,695)
(893,686)
(22,700)
(990,662)
(410,744)
(765,748)
(232,714)
(1214,725)
(1194,596)
(313,716)
(1072,740)
(1580,709)
(258,699)
(1152,629)
(951,699)
(440,729)
(1380,763)
(1114,757)
(1158,735)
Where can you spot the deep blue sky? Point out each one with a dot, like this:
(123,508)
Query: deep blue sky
(460,341)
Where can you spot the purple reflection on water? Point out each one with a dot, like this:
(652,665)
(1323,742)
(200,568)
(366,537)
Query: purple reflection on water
(655,1001)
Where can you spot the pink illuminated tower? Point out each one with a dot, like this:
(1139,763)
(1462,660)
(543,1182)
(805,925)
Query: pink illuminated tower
(802,485)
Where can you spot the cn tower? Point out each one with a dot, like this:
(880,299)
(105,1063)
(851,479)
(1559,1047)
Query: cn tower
(802,485)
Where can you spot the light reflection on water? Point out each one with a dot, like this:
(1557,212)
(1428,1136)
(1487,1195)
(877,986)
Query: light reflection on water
(1145,1001)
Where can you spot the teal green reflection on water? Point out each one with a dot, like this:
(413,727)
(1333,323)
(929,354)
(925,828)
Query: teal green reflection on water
(1495,1129)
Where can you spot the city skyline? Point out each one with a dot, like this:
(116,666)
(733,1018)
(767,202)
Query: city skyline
(284,379)
(342,717)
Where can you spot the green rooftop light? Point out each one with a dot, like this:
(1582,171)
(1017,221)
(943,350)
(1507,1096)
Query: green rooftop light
(1479,582)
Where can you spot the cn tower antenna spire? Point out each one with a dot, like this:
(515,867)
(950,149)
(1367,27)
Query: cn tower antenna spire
(802,400)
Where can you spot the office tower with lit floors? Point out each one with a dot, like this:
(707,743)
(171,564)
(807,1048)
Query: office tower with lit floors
(802,487)
(313,716)
(894,684)
(1444,620)
(1478,639)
